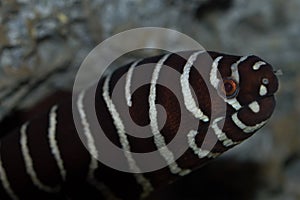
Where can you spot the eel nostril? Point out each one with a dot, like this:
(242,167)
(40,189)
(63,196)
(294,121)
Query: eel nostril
(278,72)
(265,81)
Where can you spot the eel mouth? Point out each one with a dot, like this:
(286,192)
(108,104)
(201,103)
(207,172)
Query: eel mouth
(267,105)
(257,111)
(254,112)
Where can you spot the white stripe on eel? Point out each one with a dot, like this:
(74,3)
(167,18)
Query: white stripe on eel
(128,83)
(235,74)
(215,81)
(29,164)
(245,128)
(235,70)
(214,73)
(201,153)
(53,143)
(263,90)
(189,101)
(5,182)
(222,137)
(258,64)
(93,150)
(146,185)
(158,137)
(254,106)
(87,132)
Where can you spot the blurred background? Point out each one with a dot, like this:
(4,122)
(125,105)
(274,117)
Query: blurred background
(43,42)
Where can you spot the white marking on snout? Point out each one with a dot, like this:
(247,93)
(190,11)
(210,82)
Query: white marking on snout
(258,64)
(263,90)
(254,106)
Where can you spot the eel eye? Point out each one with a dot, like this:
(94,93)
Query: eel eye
(230,88)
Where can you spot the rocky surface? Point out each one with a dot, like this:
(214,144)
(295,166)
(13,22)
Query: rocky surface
(42,43)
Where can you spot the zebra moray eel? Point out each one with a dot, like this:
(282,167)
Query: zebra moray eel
(46,159)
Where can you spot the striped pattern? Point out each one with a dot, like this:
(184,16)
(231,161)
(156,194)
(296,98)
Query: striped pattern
(5,182)
(29,163)
(158,138)
(128,83)
(147,187)
(244,127)
(88,134)
(201,153)
(222,137)
(53,143)
(189,101)
(246,113)
(93,165)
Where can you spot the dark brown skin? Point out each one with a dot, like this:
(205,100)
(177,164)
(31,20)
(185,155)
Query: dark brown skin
(76,157)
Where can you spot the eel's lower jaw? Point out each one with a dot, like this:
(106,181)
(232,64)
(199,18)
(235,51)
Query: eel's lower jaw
(254,113)
(267,105)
